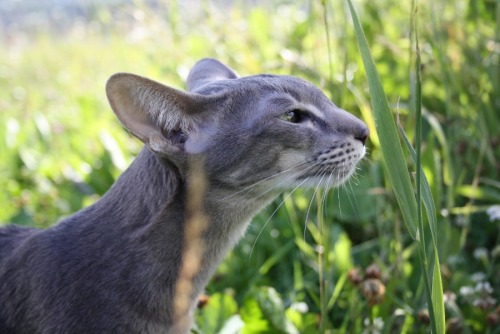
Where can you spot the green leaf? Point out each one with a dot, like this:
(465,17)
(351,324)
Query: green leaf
(304,321)
(276,257)
(253,317)
(214,315)
(479,193)
(263,312)
(437,285)
(339,285)
(387,133)
(427,198)
(400,179)
(272,307)
(437,295)
(434,286)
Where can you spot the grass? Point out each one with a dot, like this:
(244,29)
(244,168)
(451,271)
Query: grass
(351,264)
(393,155)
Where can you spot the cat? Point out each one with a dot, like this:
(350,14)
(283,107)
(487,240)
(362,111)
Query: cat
(116,266)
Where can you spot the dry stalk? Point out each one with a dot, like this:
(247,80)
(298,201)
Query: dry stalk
(196,224)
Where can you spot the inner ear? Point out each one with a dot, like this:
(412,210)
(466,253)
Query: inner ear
(176,136)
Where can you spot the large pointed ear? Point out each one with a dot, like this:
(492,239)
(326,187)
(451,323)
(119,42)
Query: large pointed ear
(208,70)
(160,116)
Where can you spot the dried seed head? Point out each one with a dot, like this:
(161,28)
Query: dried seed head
(373,290)
(454,326)
(423,316)
(373,271)
(354,276)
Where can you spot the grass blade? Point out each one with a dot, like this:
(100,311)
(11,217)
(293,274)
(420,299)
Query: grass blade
(436,294)
(437,314)
(399,176)
(387,133)
(426,195)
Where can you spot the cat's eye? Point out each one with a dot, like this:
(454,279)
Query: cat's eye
(293,116)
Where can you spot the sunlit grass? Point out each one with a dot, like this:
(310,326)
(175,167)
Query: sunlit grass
(62,148)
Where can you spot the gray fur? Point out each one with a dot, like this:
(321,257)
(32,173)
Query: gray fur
(112,267)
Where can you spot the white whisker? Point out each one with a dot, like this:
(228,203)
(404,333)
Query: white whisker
(263,180)
(274,212)
(284,181)
(310,203)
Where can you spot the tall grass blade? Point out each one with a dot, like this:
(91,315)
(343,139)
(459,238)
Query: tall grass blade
(426,195)
(399,176)
(437,295)
(436,312)
(387,133)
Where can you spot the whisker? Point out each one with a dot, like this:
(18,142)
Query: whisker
(322,169)
(265,179)
(309,208)
(284,181)
(322,210)
(338,197)
(325,195)
(310,203)
(353,196)
(307,213)
(274,212)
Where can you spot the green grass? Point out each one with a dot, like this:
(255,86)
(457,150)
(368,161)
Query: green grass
(62,148)
(399,177)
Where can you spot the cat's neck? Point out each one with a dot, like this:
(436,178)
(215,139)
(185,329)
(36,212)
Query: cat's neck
(144,189)
(152,192)
(139,194)
(147,208)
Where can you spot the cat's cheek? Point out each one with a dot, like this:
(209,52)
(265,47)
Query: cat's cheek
(198,142)
(290,159)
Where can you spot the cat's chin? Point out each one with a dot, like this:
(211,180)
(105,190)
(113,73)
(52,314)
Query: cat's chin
(325,181)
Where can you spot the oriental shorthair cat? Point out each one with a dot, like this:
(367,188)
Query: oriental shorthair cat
(115,266)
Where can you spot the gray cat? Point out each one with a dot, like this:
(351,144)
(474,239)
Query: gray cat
(114,266)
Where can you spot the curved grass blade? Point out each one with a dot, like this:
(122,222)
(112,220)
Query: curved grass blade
(434,285)
(437,310)
(400,179)
(427,199)
(387,133)
(436,299)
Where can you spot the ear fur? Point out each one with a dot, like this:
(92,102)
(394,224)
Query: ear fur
(158,115)
(208,70)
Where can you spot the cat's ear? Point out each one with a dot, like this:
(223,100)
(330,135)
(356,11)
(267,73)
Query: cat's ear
(208,70)
(160,116)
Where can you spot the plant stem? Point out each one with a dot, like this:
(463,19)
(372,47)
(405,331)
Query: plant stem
(321,251)
(328,45)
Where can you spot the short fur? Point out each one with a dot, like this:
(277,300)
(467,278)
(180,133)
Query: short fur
(113,266)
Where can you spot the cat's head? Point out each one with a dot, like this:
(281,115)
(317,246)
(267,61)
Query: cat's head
(266,131)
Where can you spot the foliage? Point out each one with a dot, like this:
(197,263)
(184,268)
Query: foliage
(332,262)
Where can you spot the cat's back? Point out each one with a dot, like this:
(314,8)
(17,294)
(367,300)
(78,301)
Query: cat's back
(11,237)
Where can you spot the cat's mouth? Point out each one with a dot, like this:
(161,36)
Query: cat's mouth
(326,178)
(331,168)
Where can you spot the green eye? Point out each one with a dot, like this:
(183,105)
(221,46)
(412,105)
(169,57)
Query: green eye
(293,116)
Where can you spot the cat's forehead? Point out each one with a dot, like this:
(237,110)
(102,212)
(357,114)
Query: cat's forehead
(263,85)
(294,87)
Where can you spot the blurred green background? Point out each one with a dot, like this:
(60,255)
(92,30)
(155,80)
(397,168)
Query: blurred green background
(348,268)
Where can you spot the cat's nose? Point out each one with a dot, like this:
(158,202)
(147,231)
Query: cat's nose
(362,133)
